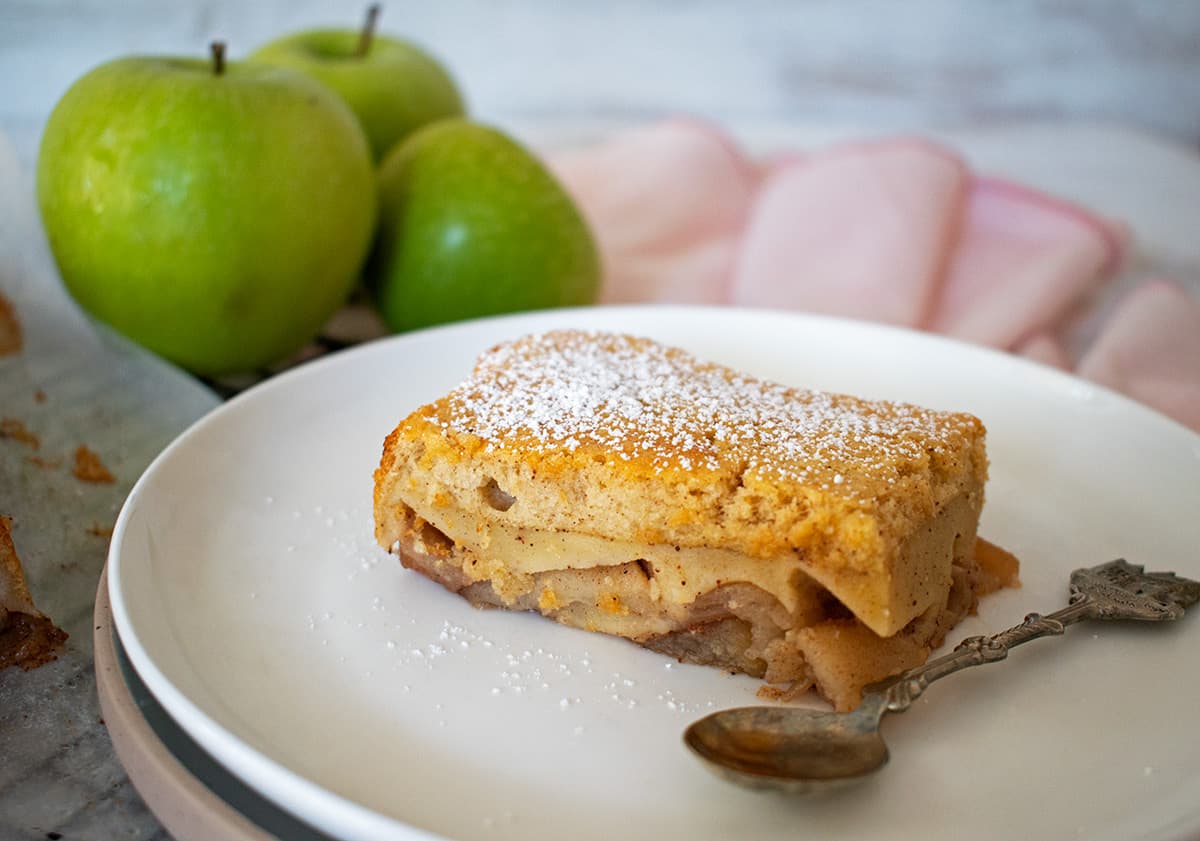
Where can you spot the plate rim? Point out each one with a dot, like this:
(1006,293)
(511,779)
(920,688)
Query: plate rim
(175,793)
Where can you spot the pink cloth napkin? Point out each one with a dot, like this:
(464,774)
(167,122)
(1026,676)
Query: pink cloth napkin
(899,231)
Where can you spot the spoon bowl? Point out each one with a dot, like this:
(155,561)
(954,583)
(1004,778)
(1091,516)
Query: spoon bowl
(780,748)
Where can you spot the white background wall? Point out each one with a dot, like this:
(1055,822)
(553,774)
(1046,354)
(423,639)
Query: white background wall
(547,68)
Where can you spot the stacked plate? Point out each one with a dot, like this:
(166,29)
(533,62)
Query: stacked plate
(286,677)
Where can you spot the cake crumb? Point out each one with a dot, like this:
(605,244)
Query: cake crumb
(97,530)
(89,468)
(15,430)
(44,463)
(10,328)
(786,693)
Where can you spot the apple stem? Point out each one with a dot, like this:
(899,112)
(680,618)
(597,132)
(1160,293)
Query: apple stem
(218,57)
(368,31)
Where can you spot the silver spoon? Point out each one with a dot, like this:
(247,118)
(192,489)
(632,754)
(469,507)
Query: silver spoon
(798,750)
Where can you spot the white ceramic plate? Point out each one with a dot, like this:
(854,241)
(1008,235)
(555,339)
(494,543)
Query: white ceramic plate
(373,704)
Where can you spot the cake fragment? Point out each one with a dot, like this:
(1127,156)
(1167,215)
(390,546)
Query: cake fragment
(14,429)
(28,638)
(10,328)
(617,485)
(89,467)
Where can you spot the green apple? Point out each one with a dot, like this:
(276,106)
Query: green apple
(471,224)
(217,214)
(393,86)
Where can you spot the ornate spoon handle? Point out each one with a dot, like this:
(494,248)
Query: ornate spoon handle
(899,692)
(1115,590)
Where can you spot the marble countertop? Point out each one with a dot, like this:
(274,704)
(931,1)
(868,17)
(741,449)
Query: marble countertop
(59,773)
(1093,101)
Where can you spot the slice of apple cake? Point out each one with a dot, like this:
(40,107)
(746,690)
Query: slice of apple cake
(621,486)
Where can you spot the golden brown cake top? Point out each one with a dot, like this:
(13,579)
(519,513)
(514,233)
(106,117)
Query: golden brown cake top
(637,401)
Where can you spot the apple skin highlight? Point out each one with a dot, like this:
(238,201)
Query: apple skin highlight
(218,219)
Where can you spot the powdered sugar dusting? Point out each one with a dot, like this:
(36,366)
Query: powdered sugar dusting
(628,398)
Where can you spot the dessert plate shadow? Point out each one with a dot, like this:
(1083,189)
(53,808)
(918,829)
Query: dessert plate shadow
(252,601)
